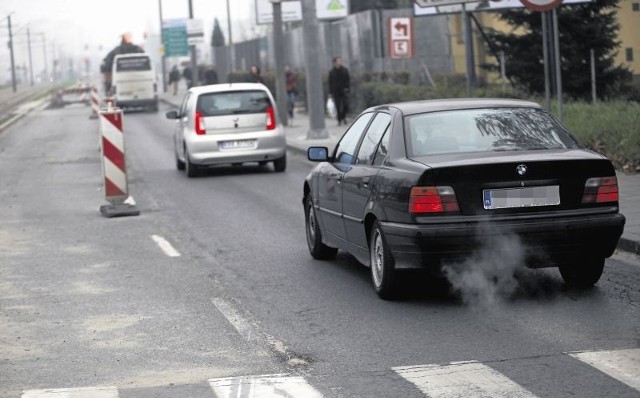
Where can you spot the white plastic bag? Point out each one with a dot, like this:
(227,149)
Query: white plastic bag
(331,108)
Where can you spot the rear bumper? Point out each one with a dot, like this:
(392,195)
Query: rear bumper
(134,103)
(205,151)
(544,241)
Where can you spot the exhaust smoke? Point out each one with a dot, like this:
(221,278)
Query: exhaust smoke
(490,274)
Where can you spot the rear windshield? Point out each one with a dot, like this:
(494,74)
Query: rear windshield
(133,64)
(477,130)
(233,103)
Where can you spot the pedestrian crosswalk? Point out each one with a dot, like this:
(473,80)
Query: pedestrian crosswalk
(455,379)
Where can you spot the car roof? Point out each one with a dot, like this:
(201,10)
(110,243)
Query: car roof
(218,88)
(415,107)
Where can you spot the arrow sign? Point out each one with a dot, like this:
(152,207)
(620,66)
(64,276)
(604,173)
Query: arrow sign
(404,28)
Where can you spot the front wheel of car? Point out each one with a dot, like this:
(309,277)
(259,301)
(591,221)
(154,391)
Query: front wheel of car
(383,273)
(280,164)
(190,168)
(318,250)
(179,163)
(583,273)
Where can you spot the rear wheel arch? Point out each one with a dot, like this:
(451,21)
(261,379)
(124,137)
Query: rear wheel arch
(369,219)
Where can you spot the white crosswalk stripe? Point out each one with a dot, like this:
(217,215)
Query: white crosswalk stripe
(623,365)
(462,379)
(82,392)
(265,386)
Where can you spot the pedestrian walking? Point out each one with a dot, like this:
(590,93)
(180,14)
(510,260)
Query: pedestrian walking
(188,76)
(210,75)
(291,81)
(174,79)
(339,87)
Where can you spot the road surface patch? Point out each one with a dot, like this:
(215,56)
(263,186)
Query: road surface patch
(83,392)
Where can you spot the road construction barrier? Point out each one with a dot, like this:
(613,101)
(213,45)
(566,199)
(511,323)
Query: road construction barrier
(114,167)
(95,103)
(70,95)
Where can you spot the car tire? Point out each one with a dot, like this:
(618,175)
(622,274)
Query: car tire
(190,168)
(280,165)
(318,250)
(383,273)
(583,273)
(179,163)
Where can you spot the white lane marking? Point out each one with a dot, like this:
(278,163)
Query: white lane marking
(165,246)
(236,320)
(623,365)
(266,386)
(461,379)
(82,392)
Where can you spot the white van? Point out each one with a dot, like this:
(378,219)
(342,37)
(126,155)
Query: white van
(134,82)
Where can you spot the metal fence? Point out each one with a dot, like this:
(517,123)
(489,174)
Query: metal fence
(360,40)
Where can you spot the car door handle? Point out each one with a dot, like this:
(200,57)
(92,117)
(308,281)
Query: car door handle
(336,176)
(365,181)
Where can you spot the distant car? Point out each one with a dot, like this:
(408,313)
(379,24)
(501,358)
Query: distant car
(419,183)
(228,124)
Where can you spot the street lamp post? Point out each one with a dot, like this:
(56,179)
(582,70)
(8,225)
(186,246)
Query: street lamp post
(315,100)
(164,58)
(194,61)
(278,38)
(30,58)
(13,65)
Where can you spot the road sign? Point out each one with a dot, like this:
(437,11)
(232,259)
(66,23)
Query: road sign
(436,7)
(174,35)
(291,11)
(541,5)
(401,37)
(437,3)
(332,9)
(195,31)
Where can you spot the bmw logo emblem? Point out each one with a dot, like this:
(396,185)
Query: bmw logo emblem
(521,169)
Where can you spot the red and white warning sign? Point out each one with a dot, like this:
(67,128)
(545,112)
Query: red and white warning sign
(401,37)
(115,170)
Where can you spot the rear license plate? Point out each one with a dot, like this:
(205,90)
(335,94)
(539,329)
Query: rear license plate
(238,144)
(521,197)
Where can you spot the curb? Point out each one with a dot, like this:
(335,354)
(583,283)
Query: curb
(629,246)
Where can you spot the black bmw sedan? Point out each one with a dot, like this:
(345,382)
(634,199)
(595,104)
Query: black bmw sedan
(417,184)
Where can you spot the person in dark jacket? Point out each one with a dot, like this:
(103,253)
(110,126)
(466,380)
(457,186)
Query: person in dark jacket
(126,47)
(210,75)
(188,76)
(291,80)
(339,86)
(254,75)
(174,79)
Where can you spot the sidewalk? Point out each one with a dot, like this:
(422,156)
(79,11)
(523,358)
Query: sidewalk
(296,132)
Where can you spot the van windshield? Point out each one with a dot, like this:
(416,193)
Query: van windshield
(233,103)
(133,64)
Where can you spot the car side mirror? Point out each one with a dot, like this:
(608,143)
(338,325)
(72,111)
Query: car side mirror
(172,115)
(318,154)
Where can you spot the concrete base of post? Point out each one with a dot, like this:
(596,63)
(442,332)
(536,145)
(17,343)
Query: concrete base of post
(317,134)
(121,210)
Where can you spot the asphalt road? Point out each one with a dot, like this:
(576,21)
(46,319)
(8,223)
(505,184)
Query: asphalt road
(93,302)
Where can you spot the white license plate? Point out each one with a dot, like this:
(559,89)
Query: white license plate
(239,144)
(521,197)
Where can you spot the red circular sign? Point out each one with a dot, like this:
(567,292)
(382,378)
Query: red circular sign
(541,5)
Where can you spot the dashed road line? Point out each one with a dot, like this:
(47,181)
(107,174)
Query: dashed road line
(242,326)
(462,379)
(622,365)
(165,246)
(82,392)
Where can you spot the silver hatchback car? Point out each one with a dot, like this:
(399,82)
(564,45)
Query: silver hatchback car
(228,124)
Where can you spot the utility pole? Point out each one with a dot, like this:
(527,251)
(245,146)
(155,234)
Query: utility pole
(194,61)
(556,44)
(278,38)
(315,100)
(469,51)
(164,58)
(30,58)
(545,58)
(231,49)
(13,65)
(44,47)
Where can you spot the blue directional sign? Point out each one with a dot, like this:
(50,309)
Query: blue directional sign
(175,38)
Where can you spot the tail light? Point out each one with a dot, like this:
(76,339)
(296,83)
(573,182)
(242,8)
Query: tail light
(433,200)
(271,118)
(600,190)
(200,127)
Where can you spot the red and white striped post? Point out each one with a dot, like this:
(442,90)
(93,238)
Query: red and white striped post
(114,167)
(95,103)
